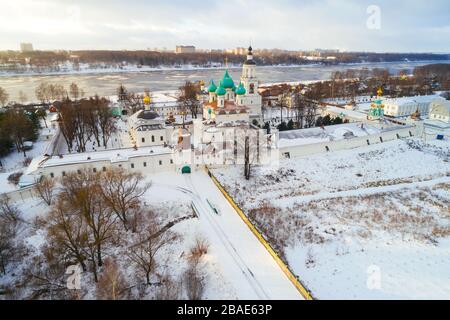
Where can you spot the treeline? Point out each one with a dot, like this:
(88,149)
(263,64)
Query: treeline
(155,59)
(361,82)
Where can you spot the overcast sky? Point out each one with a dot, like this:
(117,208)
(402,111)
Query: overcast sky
(404,25)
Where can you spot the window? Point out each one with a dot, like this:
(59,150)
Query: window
(104,169)
(381,139)
(162,138)
(120,166)
(63,173)
(94,170)
(410,134)
(52,175)
(171,161)
(79,171)
(160,162)
(326,147)
(398,136)
(143,139)
(132,166)
(153,138)
(368,142)
(145,164)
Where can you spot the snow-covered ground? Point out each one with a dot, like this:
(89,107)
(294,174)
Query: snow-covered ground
(236,266)
(366,223)
(235,253)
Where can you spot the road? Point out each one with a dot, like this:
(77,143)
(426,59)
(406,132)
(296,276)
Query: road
(244,261)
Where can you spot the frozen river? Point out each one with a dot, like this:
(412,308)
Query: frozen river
(106,83)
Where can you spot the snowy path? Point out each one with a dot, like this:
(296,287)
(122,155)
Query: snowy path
(244,261)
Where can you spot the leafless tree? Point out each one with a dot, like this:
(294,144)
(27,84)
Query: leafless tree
(147,242)
(105,119)
(75,91)
(188,98)
(169,289)
(22,97)
(45,188)
(4,96)
(10,222)
(122,192)
(67,232)
(81,192)
(112,284)
(45,276)
(193,281)
(67,123)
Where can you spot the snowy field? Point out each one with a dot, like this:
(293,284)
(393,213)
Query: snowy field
(367,223)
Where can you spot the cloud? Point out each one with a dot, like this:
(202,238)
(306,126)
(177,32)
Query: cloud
(304,24)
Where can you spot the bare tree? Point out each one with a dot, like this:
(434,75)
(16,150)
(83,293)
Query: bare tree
(122,192)
(112,284)
(67,232)
(81,192)
(22,97)
(169,289)
(105,119)
(188,98)
(45,276)
(45,188)
(193,281)
(75,91)
(4,96)
(67,123)
(148,240)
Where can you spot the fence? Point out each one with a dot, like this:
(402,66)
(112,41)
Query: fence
(284,267)
(19,195)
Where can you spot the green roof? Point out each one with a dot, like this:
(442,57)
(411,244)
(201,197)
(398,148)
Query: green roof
(212,86)
(221,90)
(227,82)
(240,90)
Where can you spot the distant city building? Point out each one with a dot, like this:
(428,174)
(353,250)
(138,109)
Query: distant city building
(185,49)
(26,47)
(240,51)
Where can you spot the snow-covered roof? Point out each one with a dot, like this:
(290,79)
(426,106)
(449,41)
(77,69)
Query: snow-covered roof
(328,133)
(116,155)
(346,112)
(415,99)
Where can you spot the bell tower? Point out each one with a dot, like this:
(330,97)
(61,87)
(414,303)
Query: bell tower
(248,77)
(251,98)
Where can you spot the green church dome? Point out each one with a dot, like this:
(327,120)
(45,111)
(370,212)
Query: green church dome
(240,90)
(221,90)
(212,86)
(227,82)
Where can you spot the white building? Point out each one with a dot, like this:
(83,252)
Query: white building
(405,106)
(147,128)
(438,121)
